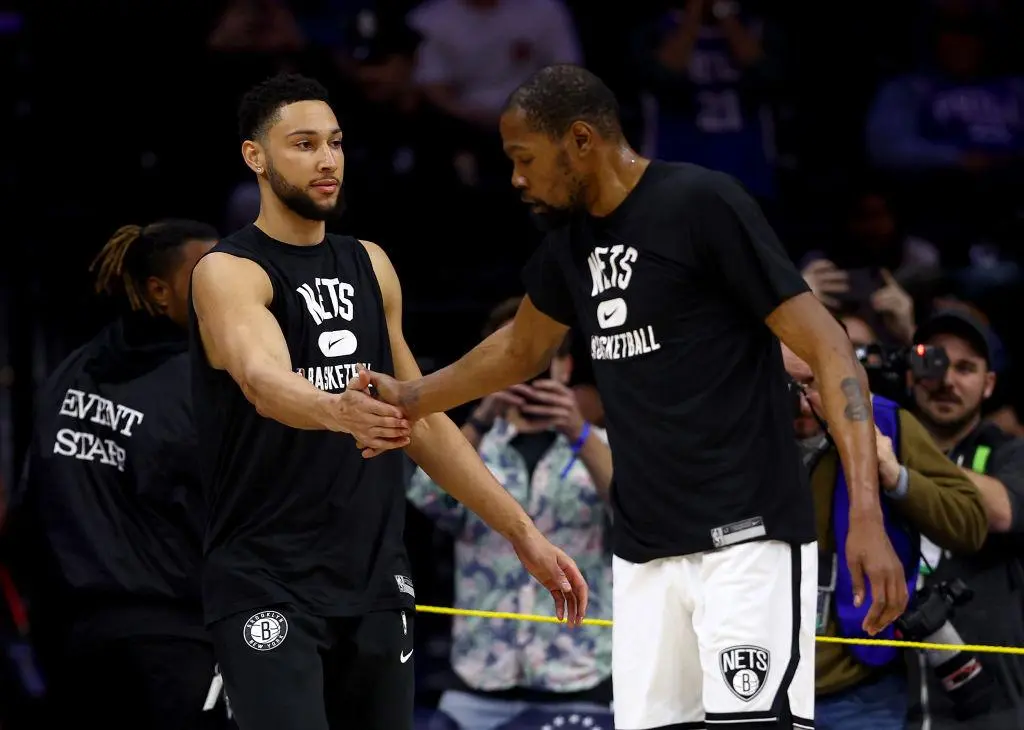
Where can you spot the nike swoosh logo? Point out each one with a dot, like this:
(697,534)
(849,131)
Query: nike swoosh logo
(337,344)
(611,313)
(403,657)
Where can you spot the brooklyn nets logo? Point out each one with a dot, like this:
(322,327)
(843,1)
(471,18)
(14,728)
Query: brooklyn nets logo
(744,669)
(265,630)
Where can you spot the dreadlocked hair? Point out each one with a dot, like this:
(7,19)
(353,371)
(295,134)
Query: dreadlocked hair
(135,253)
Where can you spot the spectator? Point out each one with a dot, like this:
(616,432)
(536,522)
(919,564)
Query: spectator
(559,468)
(874,269)
(707,69)
(858,687)
(257,26)
(955,115)
(476,52)
(399,146)
(861,333)
(950,410)
(870,294)
(874,235)
(953,133)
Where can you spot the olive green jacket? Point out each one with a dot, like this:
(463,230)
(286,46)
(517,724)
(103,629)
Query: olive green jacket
(942,504)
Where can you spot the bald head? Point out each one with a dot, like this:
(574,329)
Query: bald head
(805,424)
(798,370)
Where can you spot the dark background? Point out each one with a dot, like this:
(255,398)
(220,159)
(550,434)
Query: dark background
(119,112)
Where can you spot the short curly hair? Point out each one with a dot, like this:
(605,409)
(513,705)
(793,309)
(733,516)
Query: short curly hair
(556,96)
(258,109)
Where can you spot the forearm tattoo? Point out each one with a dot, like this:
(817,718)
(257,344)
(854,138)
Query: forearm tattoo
(857,408)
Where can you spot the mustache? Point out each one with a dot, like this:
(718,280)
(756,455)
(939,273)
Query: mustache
(944,396)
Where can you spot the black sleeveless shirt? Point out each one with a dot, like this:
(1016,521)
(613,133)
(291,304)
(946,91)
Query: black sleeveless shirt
(298,516)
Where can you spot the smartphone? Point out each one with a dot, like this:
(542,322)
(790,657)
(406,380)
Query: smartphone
(863,282)
(534,416)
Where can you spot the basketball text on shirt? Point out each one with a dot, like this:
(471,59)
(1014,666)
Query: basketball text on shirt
(611,270)
(329,300)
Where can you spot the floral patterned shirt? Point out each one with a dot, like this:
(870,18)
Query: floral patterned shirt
(493,655)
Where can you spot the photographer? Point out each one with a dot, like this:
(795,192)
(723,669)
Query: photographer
(950,408)
(924,494)
(559,467)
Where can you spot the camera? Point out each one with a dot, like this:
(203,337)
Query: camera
(887,368)
(959,672)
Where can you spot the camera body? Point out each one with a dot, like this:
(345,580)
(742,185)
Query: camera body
(959,672)
(887,368)
(932,608)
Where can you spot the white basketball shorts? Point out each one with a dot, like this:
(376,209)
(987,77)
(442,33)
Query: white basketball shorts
(717,640)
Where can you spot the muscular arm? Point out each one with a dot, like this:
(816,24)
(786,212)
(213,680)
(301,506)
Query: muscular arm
(513,354)
(807,328)
(437,445)
(443,453)
(240,335)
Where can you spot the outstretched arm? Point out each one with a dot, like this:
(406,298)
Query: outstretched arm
(439,447)
(240,335)
(513,354)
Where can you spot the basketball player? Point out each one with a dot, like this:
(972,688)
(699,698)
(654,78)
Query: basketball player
(682,289)
(107,524)
(306,582)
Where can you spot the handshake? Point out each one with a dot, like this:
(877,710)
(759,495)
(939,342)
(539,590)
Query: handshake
(379,412)
(374,408)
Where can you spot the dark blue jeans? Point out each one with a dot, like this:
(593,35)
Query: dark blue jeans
(879,705)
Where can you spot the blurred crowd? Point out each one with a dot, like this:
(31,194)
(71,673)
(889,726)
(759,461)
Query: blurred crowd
(885,141)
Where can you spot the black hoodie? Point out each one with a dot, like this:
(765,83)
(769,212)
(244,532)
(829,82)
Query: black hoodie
(106,524)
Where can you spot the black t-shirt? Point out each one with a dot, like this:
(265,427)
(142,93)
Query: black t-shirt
(1006,463)
(995,613)
(298,516)
(671,290)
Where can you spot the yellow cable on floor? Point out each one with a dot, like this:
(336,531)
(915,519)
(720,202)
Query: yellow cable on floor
(978,648)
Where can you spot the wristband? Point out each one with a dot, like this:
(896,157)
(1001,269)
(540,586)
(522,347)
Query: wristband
(902,486)
(578,443)
(480,426)
(577,446)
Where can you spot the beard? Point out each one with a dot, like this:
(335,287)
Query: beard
(944,425)
(548,218)
(301,203)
